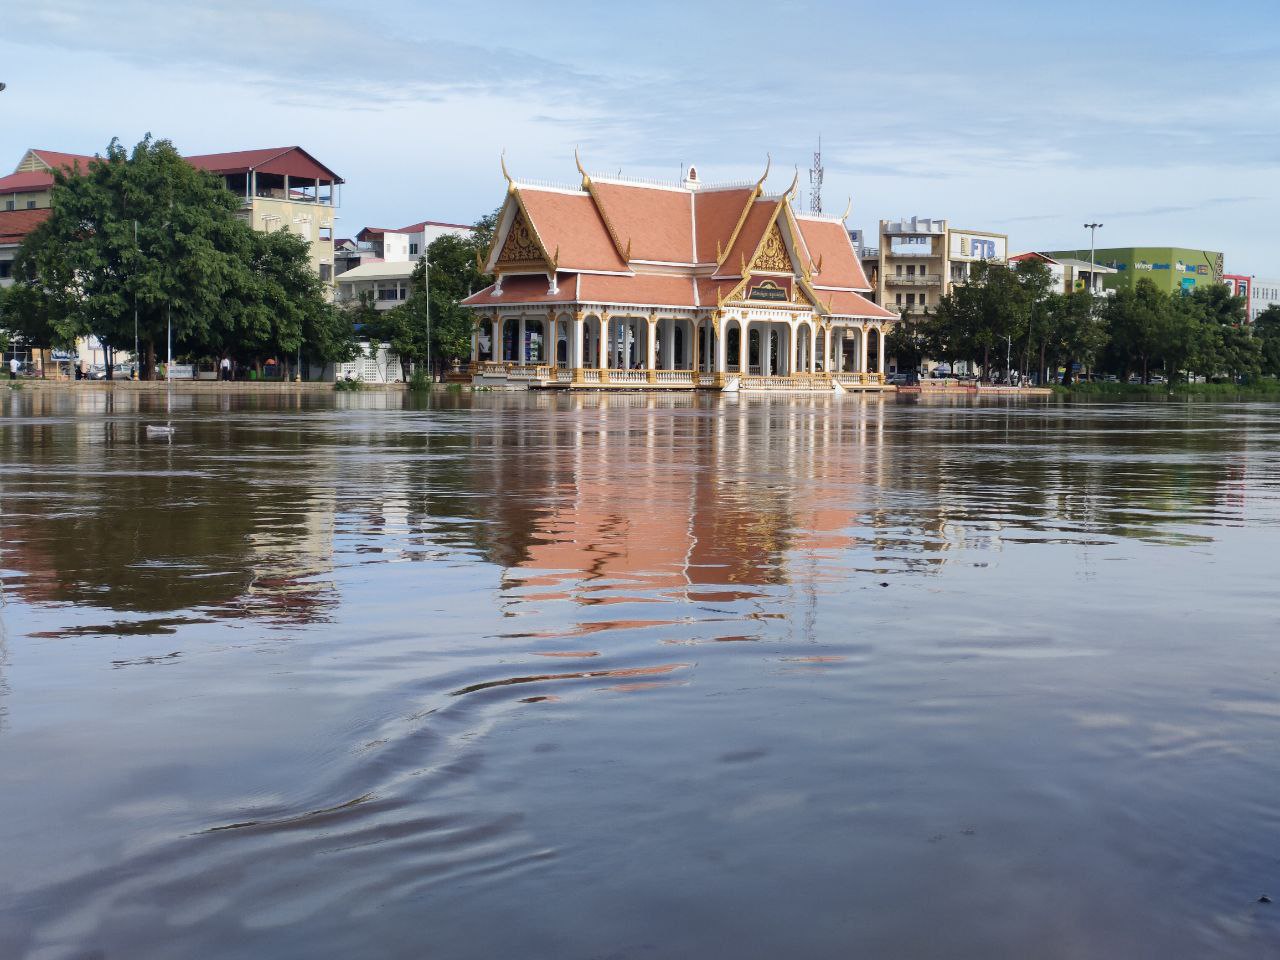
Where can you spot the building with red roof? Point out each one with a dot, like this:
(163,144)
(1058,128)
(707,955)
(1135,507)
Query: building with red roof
(621,283)
(282,188)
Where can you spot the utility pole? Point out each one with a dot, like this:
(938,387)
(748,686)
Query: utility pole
(1093,228)
(135,310)
(426,292)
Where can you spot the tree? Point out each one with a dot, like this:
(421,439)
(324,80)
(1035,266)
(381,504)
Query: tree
(1267,334)
(1136,319)
(1074,333)
(908,342)
(146,234)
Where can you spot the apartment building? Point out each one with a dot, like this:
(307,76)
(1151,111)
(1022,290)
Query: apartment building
(381,262)
(922,259)
(281,187)
(1071,274)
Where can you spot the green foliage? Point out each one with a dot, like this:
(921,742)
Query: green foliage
(419,382)
(1267,331)
(348,386)
(145,231)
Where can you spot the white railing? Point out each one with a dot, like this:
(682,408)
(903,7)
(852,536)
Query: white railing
(673,376)
(913,280)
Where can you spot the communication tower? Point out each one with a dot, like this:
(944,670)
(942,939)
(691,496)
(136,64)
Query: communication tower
(815,181)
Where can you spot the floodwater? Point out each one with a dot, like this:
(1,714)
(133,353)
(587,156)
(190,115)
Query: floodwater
(637,677)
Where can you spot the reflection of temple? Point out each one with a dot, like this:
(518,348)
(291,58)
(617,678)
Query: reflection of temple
(637,285)
(642,494)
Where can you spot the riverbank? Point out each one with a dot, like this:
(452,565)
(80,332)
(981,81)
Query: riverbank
(195,386)
(1266,389)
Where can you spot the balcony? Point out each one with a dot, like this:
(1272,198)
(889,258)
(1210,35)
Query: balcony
(913,280)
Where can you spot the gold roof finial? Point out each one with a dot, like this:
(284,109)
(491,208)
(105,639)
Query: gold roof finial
(795,183)
(502,159)
(585,179)
(768,165)
(847,210)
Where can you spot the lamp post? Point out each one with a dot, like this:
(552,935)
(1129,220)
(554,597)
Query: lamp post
(426,292)
(135,310)
(1093,228)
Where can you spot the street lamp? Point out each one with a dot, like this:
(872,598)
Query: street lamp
(1093,228)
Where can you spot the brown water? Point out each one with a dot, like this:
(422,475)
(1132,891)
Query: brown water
(633,677)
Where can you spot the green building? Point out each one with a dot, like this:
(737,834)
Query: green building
(1169,268)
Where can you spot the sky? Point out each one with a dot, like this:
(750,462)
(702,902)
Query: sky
(1162,121)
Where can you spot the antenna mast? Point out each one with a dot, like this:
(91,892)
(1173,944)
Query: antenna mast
(815,180)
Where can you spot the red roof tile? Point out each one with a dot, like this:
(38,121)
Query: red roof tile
(32,182)
(829,242)
(293,161)
(16,224)
(570,224)
(657,223)
(69,161)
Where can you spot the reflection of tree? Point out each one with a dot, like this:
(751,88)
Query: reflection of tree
(98,514)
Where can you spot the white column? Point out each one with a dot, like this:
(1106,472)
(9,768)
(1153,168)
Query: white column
(604,341)
(880,350)
(862,351)
(650,355)
(744,345)
(722,347)
(475,339)
(575,343)
(813,347)
(792,351)
(520,354)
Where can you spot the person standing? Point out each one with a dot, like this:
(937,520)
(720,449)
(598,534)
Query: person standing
(13,368)
(226,368)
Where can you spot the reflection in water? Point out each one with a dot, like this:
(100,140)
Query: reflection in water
(367,674)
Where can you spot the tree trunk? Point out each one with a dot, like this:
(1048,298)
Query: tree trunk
(149,362)
(1044,372)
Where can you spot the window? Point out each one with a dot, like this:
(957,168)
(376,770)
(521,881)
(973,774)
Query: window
(31,204)
(326,234)
(8,204)
(403,293)
(413,249)
(898,301)
(911,299)
(326,272)
(911,270)
(6,269)
(386,293)
(898,270)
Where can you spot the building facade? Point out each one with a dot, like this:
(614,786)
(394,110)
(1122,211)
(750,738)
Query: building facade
(920,260)
(1263,293)
(1070,274)
(1171,269)
(617,283)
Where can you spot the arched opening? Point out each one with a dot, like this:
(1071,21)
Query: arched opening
(755,362)
(733,347)
(775,351)
(873,351)
(562,349)
(677,340)
(820,352)
(484,341)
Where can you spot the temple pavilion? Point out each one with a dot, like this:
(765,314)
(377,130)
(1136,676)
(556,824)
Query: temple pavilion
(625,284)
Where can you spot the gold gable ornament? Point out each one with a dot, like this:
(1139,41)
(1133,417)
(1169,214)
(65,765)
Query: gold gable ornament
(773,253)
(520,245)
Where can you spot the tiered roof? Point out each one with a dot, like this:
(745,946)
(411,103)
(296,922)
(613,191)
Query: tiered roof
(687,245)
(16,224)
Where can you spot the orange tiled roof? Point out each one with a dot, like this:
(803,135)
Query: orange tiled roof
(828,241)
(717,213)
(744,247)
(525,289)
(846,303)
(570,224)
(664,290)
(657,222)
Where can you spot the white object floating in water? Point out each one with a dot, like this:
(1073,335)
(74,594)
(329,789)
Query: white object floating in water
(154,431)
(837,386)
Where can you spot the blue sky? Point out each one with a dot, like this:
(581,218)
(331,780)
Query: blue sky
(1028,118)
